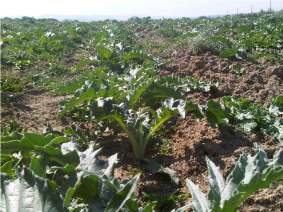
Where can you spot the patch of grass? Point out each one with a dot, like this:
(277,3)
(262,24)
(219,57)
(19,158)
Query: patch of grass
(11,84)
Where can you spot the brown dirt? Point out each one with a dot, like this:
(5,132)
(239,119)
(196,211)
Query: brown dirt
(194,140)
(259,83)
(190,144)
(33,109)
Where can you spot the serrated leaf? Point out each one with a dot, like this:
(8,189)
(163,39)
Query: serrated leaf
(255,165)
(250,174)
(216,182)
(90,163)
(134,98)
(77,101)
(194,109)
(200,203)
(28,193)
(121,198)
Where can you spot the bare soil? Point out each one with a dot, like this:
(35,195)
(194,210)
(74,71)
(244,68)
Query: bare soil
(33,110)
(259,83)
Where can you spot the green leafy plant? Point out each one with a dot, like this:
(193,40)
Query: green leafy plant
(136,101)
(11,84)
(246,116)
(237,70)
(276,107)
(29,193)
(143,124)
(248,175)
(52,172)
(203,42)
(251,117)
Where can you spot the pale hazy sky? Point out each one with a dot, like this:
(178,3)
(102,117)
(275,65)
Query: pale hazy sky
(155,8)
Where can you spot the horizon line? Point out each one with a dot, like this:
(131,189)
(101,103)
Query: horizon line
(122,17)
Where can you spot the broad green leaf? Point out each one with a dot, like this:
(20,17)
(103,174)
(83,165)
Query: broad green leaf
(71,158)
(215,114)
(28,193)
(121,198)
(14,146)
(250,174)
(9,138)
(28,142)
(38,166)
(88,188)
(35,139)
(58,140)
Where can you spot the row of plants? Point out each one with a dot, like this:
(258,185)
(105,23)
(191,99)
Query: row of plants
(238,37)
(138,101)
(49,172)
(141,101)
(27,41)
(136,97)
(46,49)
(124,92)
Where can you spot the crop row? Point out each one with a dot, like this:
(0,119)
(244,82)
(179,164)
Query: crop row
(125,93)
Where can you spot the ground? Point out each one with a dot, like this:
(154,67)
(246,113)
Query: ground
(191,140)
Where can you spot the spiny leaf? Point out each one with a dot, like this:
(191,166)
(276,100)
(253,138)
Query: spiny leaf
(200,203)
(216,182)
(121,198)
(29,193)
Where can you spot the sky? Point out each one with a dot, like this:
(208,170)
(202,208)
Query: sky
(128,8)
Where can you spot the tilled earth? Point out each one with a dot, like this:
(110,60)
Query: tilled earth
(258,83)
(33,110)
(191,140)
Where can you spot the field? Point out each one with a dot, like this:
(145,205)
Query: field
(142,115)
